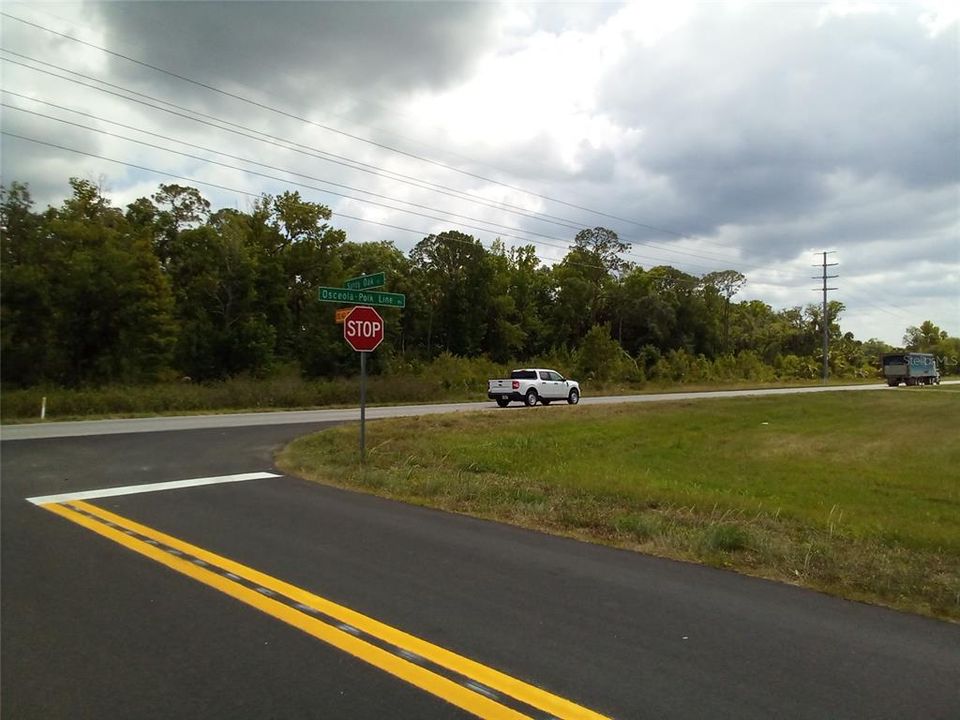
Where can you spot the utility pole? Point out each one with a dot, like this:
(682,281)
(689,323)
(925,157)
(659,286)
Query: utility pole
(826,311)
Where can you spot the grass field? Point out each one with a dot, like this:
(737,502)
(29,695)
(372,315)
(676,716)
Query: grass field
(856,494)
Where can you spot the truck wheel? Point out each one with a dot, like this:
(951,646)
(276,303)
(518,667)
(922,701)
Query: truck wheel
(530,398)
(502,401)
(893,383)
(574,397)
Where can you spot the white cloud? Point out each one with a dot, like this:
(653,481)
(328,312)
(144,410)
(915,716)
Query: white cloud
(760,132)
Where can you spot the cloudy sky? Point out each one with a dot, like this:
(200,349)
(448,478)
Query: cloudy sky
(709,136)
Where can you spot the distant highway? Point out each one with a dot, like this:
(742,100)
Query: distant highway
(32,431)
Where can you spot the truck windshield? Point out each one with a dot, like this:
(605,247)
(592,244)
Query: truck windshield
(523,375)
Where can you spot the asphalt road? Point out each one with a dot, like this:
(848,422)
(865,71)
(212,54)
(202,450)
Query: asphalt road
(91,629)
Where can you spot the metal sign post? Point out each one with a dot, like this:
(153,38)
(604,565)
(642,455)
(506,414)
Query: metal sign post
(363,331)
(363,408)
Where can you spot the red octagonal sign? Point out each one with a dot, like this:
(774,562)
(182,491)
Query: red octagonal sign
(363,329)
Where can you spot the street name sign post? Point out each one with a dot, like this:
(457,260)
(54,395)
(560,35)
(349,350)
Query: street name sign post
(361,297)
(362,326)
(365,282)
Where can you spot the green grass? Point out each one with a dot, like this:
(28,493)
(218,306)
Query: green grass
(856,494)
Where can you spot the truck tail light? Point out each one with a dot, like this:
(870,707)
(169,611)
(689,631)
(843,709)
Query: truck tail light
(515,384)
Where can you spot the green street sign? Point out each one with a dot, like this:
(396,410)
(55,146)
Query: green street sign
(361,297)
(365,282)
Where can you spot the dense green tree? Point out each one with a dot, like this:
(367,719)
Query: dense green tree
(532,292)
(106,308)
(27,322)
(505,337)
(225,329)
(755,326)
(931,339)
(92,294)
(726,284)
(923,338)
(174,208)
(453,283)
(600,357)
(603,247)
(873,350)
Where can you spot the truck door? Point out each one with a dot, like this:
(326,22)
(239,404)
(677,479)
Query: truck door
(547,384)
(554,385)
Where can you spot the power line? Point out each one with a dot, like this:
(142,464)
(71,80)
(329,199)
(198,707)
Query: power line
(564,246)
(294,116)
(244,170)
(891,310)
(283,143)
(242,159)
(422,233)
(692,283)
(352,164)
(335,159)
(637,255)
(348,162)
(39,9)
(385,147)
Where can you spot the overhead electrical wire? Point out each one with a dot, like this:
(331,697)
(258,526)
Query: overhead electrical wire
(165,173)
(347,162)
(289,182)
(690,284)
(243,159)
(277,141)
(365,140)
(294,116)
(327,156)
(563,246)
(892,311)
(38,8)
(358,138)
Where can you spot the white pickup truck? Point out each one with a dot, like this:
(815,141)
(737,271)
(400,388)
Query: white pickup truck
(533,385)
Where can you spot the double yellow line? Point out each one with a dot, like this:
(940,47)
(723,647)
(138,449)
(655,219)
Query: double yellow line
(470,685)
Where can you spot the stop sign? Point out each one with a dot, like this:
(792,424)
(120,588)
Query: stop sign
(363,329)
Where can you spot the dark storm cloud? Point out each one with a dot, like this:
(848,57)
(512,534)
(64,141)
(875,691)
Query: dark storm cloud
(307,53)
(749,114)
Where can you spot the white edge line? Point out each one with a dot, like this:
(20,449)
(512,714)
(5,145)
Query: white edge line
(151,487)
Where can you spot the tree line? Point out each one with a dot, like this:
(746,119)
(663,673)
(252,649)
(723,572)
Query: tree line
(168,288)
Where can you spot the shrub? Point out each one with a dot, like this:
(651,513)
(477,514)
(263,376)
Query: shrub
(726,538)
(600,356)
(641,527)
